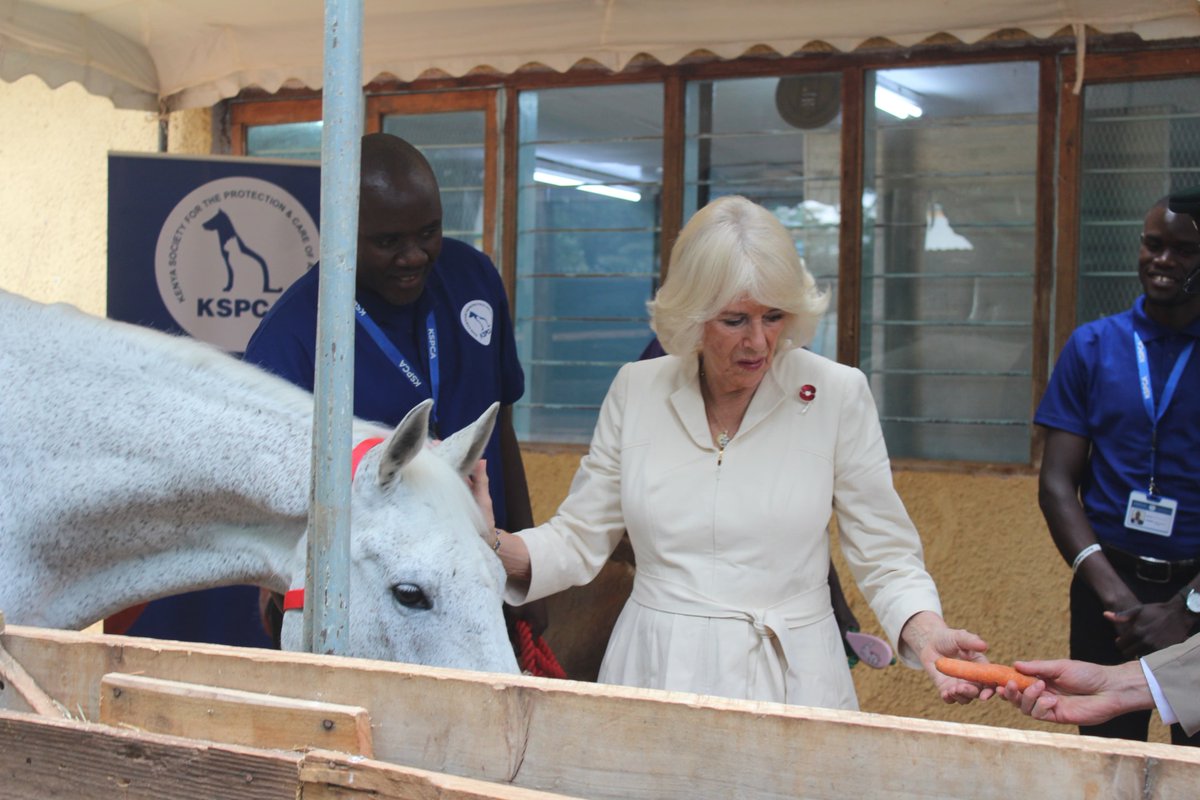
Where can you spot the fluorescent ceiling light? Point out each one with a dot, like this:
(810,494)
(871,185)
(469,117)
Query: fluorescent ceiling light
(555,178)
(564,179)
(894,103)
(611,191)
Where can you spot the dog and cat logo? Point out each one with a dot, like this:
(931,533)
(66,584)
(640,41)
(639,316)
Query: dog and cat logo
(226,251)
(476,318)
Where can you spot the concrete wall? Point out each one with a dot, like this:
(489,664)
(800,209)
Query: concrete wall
(53,207)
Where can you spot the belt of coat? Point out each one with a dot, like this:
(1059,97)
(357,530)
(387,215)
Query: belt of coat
(770,623)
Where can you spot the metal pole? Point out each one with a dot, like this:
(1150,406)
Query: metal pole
(327,577)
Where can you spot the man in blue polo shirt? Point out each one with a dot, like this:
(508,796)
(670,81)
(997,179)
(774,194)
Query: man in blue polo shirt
(432,321)
(1118,481)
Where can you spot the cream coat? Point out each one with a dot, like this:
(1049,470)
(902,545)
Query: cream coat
(1177,670)
(731,594)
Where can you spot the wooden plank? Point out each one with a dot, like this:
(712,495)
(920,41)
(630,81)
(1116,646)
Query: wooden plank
(42,758)
(673,148)
(599,741)
(509,188)
(1043,270)
(1070,121)
(14,676)
(850,234)
(232,716)
(332,775)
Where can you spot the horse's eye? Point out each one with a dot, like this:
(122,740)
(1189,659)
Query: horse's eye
(411,596)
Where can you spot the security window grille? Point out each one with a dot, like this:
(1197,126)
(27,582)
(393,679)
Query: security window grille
(948,260)
(1141,140)
(776,141)
(588,222)
(453,142)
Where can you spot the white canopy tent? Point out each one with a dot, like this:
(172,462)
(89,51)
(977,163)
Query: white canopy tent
(193,53)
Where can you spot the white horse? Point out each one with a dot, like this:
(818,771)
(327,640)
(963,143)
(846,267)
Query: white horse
(135,465)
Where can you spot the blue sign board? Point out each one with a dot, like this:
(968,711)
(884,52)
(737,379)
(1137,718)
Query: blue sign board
(203,246)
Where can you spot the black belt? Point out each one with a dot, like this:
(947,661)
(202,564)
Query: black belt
(1152,570)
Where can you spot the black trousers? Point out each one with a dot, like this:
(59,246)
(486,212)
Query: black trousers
(1093,638)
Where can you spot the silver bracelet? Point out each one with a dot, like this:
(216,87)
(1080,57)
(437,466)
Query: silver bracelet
(496,544)
(1084,553)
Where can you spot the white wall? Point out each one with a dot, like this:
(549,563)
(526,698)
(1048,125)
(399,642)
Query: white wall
(54,145)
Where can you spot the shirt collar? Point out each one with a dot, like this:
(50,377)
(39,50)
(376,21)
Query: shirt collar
(1149,329)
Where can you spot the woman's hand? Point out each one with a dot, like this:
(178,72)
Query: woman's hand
(511,549)
(928,635)
(477,482)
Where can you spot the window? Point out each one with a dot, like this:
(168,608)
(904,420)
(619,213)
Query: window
(949,201)
(961,241)
(299,140)
(776,141)
(588,222)
(1141,140)
(456,132)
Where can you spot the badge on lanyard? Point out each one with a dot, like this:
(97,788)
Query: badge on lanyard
(401,363)
(1150,514)
(1148,511)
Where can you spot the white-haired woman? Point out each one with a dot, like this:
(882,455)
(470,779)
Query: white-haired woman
(724,461)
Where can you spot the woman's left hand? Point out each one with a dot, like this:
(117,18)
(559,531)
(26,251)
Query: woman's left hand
(928,635)
(477,482)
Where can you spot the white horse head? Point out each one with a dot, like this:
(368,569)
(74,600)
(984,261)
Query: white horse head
(424,583)
(136,465)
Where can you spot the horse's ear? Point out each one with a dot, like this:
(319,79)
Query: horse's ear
(405,442)
(465,447)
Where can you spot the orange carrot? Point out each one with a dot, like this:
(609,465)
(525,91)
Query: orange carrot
(991,674)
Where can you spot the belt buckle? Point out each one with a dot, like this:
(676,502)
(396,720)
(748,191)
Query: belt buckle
(1153,570)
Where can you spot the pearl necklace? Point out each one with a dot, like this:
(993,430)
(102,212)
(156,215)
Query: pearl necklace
(723,436)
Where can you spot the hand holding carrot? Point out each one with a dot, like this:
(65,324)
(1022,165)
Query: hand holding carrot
(1079,693)
(981,672)
(928,636)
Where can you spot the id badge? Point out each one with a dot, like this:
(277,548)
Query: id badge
(1150,514)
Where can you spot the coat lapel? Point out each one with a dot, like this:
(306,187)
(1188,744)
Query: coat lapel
(766,399)
(688,403)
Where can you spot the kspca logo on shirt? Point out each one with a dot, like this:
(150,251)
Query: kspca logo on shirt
(476,319)
(226,251)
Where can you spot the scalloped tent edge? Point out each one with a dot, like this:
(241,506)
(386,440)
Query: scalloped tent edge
(175,54)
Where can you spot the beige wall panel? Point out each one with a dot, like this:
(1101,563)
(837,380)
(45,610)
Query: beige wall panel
(54,145)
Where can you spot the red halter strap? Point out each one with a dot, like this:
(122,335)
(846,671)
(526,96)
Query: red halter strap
(293,600)
(360,450)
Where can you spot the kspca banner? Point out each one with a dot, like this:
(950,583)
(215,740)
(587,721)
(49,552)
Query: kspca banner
(204,246)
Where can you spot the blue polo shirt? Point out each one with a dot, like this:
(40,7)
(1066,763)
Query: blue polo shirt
(475,346)
(1094,393)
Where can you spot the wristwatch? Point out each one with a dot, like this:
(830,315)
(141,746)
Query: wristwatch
(1191,599)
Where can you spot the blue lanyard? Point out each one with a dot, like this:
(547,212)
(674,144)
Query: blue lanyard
(1156,414)
(396,357)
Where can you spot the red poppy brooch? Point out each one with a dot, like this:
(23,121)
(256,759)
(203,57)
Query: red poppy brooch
(808,393)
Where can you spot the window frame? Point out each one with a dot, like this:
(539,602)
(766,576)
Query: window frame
(1099,69)
(1056,238)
